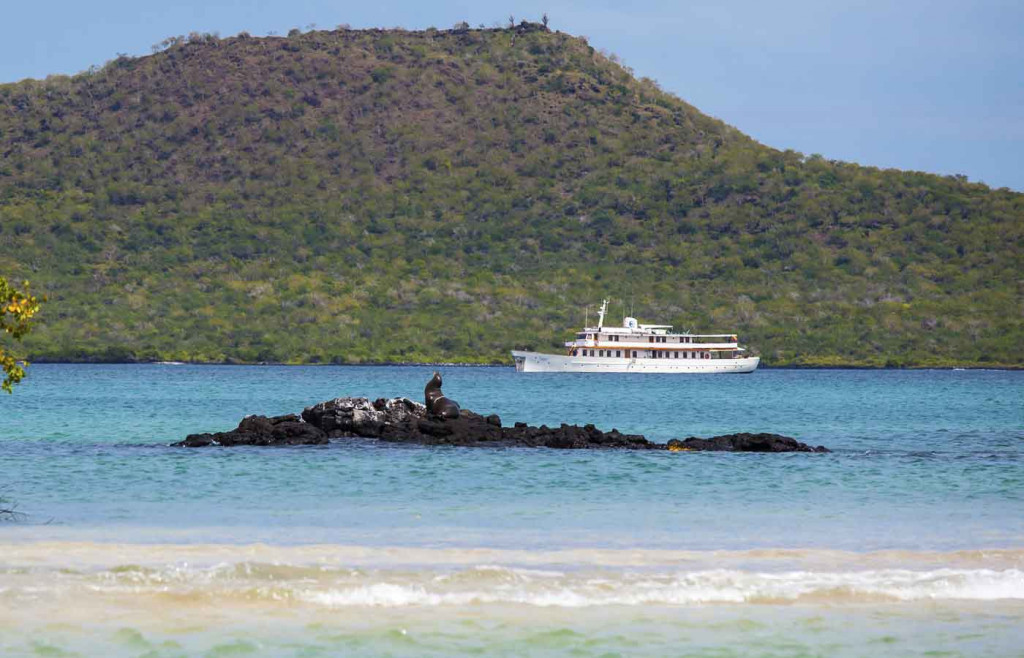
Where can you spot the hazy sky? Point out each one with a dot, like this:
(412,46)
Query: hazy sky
(928,85)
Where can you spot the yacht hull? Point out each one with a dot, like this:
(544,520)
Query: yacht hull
(538,362)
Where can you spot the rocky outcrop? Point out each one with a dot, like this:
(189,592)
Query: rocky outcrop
(402,420)
(405,421)
(287,430)
(742,442)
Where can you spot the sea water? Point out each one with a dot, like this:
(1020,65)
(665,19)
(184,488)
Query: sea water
(907,539)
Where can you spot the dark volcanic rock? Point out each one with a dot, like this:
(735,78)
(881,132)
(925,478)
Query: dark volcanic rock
(402,420)
(289,430)
(743,443)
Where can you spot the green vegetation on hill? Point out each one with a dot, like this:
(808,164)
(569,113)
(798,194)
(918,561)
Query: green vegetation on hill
(374,195)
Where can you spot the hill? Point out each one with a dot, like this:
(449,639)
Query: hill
(385,195)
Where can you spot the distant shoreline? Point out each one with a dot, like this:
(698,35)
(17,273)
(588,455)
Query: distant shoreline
(445,364)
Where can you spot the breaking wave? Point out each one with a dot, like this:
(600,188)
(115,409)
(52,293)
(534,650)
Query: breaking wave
(331,576)
(704,587)
(482,585)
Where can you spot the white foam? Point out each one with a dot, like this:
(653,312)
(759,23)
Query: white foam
(703,587)
(370,577)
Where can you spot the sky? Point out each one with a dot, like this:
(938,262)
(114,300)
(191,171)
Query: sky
(933,86)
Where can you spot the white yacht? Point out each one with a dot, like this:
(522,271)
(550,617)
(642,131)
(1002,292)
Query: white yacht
(635,347)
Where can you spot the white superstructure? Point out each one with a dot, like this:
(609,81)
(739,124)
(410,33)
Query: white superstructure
(635,347)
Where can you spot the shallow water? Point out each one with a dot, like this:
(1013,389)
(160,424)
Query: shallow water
(908,538)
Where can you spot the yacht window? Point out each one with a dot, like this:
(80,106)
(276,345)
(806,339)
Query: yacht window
(618,353)
(634,354)
(651,339)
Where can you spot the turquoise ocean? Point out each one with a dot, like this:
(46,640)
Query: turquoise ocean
(907,539)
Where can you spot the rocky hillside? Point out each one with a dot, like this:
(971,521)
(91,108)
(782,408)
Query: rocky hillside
(385,195)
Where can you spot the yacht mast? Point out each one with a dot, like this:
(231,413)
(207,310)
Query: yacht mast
(600,317)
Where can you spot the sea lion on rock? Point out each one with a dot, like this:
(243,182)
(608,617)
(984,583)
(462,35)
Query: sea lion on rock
(437,403)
